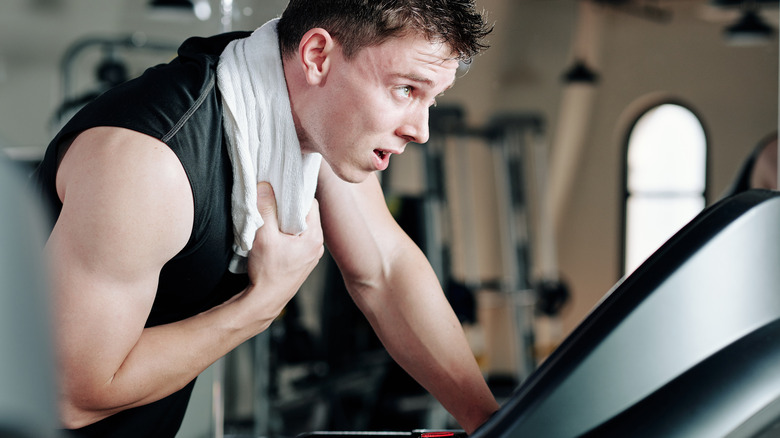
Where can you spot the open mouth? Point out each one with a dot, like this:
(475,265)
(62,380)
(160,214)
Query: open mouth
(382,159)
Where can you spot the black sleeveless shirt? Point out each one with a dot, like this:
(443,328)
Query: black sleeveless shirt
(179,104)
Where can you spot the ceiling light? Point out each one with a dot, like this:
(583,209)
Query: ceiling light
(749,30)
(580,73)
(740,3)
(202,9)
(181,9)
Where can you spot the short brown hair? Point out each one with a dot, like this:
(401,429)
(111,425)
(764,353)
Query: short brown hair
(356,24)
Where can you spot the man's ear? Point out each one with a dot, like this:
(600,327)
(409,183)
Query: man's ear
(314,53)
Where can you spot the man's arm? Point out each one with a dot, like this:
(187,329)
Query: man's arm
(127,209)
(395,287)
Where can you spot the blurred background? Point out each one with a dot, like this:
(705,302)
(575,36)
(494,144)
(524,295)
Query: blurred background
(586,135)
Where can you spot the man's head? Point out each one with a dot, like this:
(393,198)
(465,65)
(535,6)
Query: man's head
(362,74)
(356,24)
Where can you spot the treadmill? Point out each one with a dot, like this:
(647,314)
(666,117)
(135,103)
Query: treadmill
(688,345)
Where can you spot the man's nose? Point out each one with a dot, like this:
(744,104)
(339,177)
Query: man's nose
(415,127)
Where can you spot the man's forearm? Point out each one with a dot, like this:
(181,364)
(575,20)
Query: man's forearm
(394,285)
(164,360)
(421,332)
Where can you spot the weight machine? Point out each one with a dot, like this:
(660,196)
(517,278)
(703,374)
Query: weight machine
(483,186)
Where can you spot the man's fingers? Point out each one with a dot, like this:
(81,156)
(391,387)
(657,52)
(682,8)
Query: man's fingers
(266,202)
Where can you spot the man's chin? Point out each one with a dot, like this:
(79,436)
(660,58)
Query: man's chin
(354,177)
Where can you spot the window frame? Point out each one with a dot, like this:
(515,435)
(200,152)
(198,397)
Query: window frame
(626,193)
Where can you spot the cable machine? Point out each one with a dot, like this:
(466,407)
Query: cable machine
(455,226)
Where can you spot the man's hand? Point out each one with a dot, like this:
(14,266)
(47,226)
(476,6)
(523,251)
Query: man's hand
(278,262)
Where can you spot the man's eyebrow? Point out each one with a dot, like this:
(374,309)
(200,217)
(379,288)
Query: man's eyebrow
(423,80)
(415,78)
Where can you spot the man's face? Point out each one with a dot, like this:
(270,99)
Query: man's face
(374,104)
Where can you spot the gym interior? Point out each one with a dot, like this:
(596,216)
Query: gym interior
(591,298)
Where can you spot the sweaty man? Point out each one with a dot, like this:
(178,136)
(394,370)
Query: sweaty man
(160,263)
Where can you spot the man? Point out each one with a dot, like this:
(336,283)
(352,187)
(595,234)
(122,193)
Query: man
(154,191)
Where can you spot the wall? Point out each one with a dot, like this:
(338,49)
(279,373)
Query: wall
(732,89)
(640,62)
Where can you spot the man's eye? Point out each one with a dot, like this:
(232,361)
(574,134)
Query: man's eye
(405,90)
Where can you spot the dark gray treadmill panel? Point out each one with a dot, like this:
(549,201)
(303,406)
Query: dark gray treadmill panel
(714,283)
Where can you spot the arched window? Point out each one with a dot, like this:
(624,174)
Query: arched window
(665,170)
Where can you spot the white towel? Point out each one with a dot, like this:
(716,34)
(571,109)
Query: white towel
(262,143)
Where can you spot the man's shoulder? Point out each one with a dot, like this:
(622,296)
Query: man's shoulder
(120,160)
(116,149)
(209,46)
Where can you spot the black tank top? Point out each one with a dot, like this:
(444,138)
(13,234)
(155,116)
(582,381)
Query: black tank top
(179,104)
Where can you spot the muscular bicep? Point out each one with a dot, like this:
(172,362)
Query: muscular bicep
(127,209)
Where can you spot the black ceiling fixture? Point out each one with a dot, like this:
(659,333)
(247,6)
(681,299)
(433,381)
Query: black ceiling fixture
(185,4)
(740,3)
(750,29)
(580,73)
(749,26)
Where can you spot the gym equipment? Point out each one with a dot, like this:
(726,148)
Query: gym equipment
(687,345)
(509,140)
(110,71)
(412,434)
